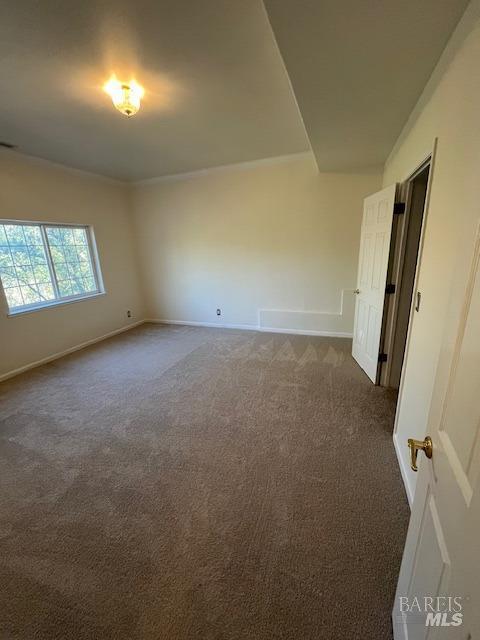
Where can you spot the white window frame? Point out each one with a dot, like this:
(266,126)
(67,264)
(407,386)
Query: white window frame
(58,301)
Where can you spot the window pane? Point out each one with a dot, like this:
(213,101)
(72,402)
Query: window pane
(56,252)
(14,234)
(33,235)
(42,274)
(61,269)
(89,284)
(14,297)
(86,270)
(71,260)
(69,252)
(23,265)
(67,236)
(80,236)
(46,291)
(25,275)
(77,287)
(9,277)
(27,264)
(30,294)
(37,254)
(20,255)
(82,253)
(65,288)
(5,257)
(54,235)
(74,270)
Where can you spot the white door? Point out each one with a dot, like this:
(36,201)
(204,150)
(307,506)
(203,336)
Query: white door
(372,274)
(442,551)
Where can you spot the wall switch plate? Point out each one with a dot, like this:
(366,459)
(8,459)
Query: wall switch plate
(129,314)
(219,312)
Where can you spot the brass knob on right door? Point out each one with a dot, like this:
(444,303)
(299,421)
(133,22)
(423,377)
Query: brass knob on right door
(419,445)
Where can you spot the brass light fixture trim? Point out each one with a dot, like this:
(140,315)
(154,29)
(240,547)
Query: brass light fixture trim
(126,96)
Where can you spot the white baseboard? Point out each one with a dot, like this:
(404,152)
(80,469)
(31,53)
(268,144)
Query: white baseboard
(400,631)
(403,469)
(312,322)
(307,332)
(217,325)
(60,354)
(192,323)
(251,327)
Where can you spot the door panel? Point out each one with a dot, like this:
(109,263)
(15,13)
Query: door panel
(430,569)
(460,421)
(442,551)
(365,267)
(378,260)
(372,331)
(372,273)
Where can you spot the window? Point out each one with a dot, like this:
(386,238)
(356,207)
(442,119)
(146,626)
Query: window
(45,264)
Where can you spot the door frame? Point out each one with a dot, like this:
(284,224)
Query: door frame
(396,267)
(430,158)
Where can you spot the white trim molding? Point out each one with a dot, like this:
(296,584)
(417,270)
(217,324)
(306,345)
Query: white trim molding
(404,470)
(188,323)
(251,327)
(308,332)
(337,323)
(193,323)
(66,352)
(330,324)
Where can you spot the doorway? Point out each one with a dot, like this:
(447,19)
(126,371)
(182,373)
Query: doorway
(404,255)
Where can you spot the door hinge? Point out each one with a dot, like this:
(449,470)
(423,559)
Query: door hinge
(399,208)
(390,288)
(382,357)
(418,301)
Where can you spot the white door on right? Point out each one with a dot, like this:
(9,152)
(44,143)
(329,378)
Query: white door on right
(371,280)
(438,593)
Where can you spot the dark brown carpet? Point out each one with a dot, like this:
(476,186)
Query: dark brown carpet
(186,483)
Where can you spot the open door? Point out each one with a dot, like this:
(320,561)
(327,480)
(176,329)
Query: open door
(372,274)
(438,593)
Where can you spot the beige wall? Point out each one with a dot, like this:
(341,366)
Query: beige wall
(40,191)
(272,244)
(448,110)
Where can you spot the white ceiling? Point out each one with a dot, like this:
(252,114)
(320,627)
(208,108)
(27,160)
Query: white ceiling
(216,88)
(357,68)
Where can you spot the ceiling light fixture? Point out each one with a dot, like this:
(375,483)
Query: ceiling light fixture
(126,96)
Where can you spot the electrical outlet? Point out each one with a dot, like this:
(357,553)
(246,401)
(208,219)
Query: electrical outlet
(219,312)
(129,313)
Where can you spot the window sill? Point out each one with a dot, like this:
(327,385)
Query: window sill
(54,303)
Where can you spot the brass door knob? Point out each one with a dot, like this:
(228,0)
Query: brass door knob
(415,445)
